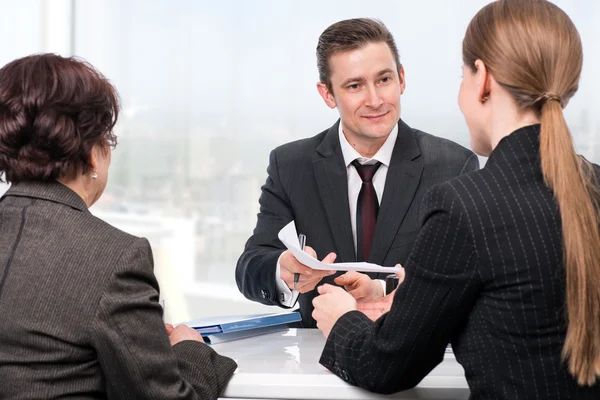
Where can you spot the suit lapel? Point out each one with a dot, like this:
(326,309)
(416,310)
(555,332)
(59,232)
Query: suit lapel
(332,180)
(401,184)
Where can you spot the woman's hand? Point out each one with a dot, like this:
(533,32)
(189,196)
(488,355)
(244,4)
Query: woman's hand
(182,332)
(360,286)
(330,305)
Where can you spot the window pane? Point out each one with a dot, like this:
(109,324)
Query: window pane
(209,88)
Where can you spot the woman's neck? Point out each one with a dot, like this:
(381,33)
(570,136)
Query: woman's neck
(79,187)
(507,119)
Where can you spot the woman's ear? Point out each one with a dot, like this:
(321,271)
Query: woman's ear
(93,159)
(483,79)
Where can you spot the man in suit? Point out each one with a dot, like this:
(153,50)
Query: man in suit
(355,188)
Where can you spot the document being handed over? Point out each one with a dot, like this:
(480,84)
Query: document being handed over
(289,237)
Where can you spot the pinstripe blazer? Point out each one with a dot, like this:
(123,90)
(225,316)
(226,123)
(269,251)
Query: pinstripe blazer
(487,275)
(307,183)
(79,309)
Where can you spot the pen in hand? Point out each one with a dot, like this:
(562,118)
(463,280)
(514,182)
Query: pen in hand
(302,240)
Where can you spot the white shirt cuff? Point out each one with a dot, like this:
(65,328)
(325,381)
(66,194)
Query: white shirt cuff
(287,296)
(382,286)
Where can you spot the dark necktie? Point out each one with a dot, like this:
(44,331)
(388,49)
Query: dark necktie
(366,210)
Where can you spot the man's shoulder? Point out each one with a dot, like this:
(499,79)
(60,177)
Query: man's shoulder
(436,147)
(443,158)
(301,148)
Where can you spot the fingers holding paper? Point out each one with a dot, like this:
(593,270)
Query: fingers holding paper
(401,274)
(309,278)
(360,286)
(330,305)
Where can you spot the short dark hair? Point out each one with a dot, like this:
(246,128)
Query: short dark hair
(53,111)
(351,34)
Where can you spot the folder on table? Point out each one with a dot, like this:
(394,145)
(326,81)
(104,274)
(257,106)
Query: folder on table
(220,329)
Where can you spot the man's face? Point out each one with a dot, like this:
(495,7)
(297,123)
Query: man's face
(366,90)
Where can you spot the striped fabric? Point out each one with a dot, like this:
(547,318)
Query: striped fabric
(79,309)
(486,275)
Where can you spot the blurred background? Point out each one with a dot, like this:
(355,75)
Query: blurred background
(210,87)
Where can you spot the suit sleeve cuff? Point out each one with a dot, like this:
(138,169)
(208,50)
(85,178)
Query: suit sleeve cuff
(286,296)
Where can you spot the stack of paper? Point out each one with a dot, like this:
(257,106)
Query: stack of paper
(289,237)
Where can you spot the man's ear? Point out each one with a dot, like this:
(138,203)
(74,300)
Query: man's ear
(326,95)
(402,79)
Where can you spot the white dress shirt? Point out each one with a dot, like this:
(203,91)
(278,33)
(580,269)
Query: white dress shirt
(288,297)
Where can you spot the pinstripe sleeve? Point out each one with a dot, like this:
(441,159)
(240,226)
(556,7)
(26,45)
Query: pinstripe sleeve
(397,351)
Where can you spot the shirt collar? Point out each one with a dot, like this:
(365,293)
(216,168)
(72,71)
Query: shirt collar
(383,155)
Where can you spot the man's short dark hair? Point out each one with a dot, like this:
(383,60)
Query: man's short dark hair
(351,34)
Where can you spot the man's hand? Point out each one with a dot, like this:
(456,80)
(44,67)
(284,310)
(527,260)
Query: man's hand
(360,286)
(182,332)
(309,278)
(330,305)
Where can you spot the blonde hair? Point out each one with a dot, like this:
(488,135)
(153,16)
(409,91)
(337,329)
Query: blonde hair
(534,51)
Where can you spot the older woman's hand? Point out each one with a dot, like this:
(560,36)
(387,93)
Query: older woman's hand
(330,305)
(182,332)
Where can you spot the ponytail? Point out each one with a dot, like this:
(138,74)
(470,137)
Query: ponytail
(571,179)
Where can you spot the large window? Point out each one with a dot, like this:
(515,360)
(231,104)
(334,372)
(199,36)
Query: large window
(21,22)
(210,87)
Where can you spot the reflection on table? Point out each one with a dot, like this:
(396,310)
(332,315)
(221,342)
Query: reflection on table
(285,365)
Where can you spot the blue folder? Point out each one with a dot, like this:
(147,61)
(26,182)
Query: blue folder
(237,323)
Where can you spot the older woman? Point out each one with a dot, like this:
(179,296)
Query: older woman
(78,297)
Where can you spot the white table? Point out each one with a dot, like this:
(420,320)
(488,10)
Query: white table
(285,365)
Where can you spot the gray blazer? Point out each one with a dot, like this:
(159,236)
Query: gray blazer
(79,309)
(307,183)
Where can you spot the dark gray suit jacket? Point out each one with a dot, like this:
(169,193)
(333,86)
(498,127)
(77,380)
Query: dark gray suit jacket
(79,309)
(307,183)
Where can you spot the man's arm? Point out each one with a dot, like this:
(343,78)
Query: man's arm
(256,270)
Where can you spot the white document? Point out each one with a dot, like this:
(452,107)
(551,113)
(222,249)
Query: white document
(289,237)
